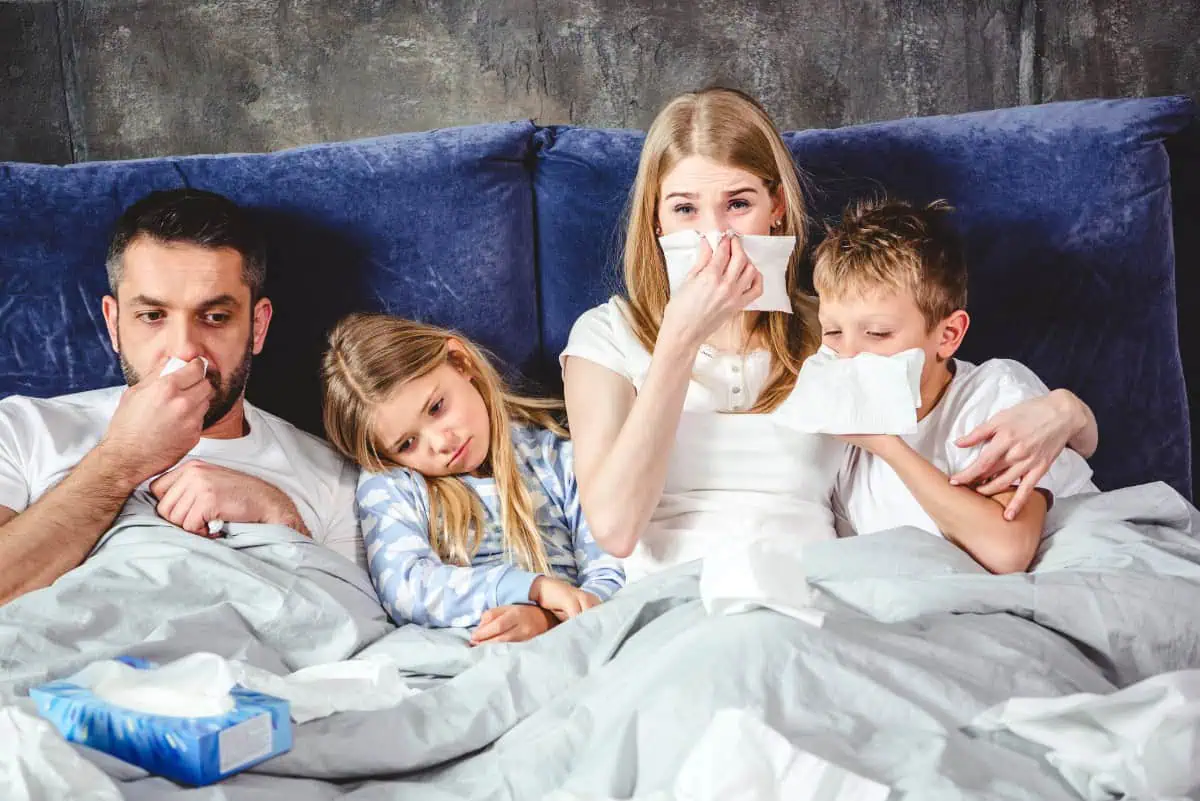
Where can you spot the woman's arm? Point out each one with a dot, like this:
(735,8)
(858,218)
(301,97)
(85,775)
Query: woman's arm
(1023,442)
(623,441)
(973,522)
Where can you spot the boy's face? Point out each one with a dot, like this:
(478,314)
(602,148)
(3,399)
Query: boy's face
(887,322)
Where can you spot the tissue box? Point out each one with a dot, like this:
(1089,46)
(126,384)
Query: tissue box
(194,751)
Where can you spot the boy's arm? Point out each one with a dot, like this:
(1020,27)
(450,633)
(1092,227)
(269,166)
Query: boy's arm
(971,521)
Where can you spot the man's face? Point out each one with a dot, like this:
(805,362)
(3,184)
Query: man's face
(186,301)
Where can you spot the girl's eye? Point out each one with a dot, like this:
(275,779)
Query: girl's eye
(437,407)
(879,334)
(831,333)
(406,445)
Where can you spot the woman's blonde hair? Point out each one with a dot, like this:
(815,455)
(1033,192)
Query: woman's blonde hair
(369,357)
(730,128)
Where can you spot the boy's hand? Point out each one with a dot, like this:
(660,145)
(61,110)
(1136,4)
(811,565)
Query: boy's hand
(879,444)
(559,597)
(515,623)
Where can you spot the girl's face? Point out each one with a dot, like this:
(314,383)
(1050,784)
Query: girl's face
(437,424)
(699,194)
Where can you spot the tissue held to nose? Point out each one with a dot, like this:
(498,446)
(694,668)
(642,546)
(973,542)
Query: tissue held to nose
(174,364)
(769,254)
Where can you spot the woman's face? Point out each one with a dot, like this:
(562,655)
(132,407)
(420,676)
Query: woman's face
(702,195)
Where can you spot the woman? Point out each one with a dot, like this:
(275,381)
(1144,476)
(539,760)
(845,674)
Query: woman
(662,478)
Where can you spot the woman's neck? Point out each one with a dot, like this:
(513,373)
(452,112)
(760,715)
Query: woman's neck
(737,335)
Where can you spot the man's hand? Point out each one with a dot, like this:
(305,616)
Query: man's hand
(515,623)
(196,492)
(563,599)
(157,421)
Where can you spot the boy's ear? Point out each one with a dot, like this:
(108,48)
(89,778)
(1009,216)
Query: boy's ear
(953,329)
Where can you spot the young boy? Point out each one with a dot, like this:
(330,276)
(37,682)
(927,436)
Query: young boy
(892,278)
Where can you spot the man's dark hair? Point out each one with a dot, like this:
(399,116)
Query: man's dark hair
(195,217)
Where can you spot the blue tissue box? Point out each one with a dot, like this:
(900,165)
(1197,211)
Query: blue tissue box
(194,751)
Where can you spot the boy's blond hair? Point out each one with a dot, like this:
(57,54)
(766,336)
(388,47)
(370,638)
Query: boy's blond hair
(889,244)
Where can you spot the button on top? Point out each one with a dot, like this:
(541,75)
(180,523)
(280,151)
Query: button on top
(737,368)
(737,390)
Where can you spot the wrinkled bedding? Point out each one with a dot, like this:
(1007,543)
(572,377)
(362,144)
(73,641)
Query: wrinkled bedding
(917,640)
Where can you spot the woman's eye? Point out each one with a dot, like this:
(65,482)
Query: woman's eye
(831,333)
(879,334)
(739,205)
(685,208)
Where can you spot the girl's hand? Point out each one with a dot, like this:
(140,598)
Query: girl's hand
(721,285)
(515,623)
(562,599)
(1022,444)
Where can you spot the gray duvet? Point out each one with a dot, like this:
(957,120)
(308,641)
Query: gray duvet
(917,641)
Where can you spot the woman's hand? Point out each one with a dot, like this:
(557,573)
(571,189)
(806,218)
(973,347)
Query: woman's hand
(721,285)
(1022,444)
(562,599)
(514,623)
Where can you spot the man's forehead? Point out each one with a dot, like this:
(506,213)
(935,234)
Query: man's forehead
(181,271)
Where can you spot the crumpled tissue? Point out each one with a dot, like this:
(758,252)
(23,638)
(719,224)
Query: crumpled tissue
(740,758)
(866,394)
(765,573)
(1141,743)
(37,764)
(769,254)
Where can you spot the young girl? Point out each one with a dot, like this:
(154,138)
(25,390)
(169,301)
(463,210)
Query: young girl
(467,499)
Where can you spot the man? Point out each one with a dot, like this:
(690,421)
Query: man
(186,270)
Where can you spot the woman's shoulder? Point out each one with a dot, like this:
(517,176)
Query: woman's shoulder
(603,335)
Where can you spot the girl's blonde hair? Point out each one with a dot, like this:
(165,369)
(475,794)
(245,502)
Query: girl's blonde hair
(730,128)
(369,357)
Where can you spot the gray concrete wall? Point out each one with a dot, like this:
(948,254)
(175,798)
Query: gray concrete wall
(100,79)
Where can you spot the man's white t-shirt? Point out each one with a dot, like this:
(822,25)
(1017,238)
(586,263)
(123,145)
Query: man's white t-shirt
(871,497)
(730,477)
(42,440)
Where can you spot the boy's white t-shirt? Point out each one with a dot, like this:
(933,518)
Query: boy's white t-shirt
(730,477)
(42,440)
(871,497)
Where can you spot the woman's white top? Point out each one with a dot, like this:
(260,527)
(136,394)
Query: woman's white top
(731,476)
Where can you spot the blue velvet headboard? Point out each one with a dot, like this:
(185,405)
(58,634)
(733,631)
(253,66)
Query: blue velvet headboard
(509,232)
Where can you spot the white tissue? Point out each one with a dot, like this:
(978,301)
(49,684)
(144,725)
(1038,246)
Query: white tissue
(174,364)
(770,254)
(762,574)
(866,394)
(37,764)
(198,685)
(356,685)
(1142,742)
(195,686)
(740,758)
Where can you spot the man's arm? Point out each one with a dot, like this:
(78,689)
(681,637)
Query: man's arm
(57,532)
(155,424)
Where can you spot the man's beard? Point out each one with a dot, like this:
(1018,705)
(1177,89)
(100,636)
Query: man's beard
(226,395)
